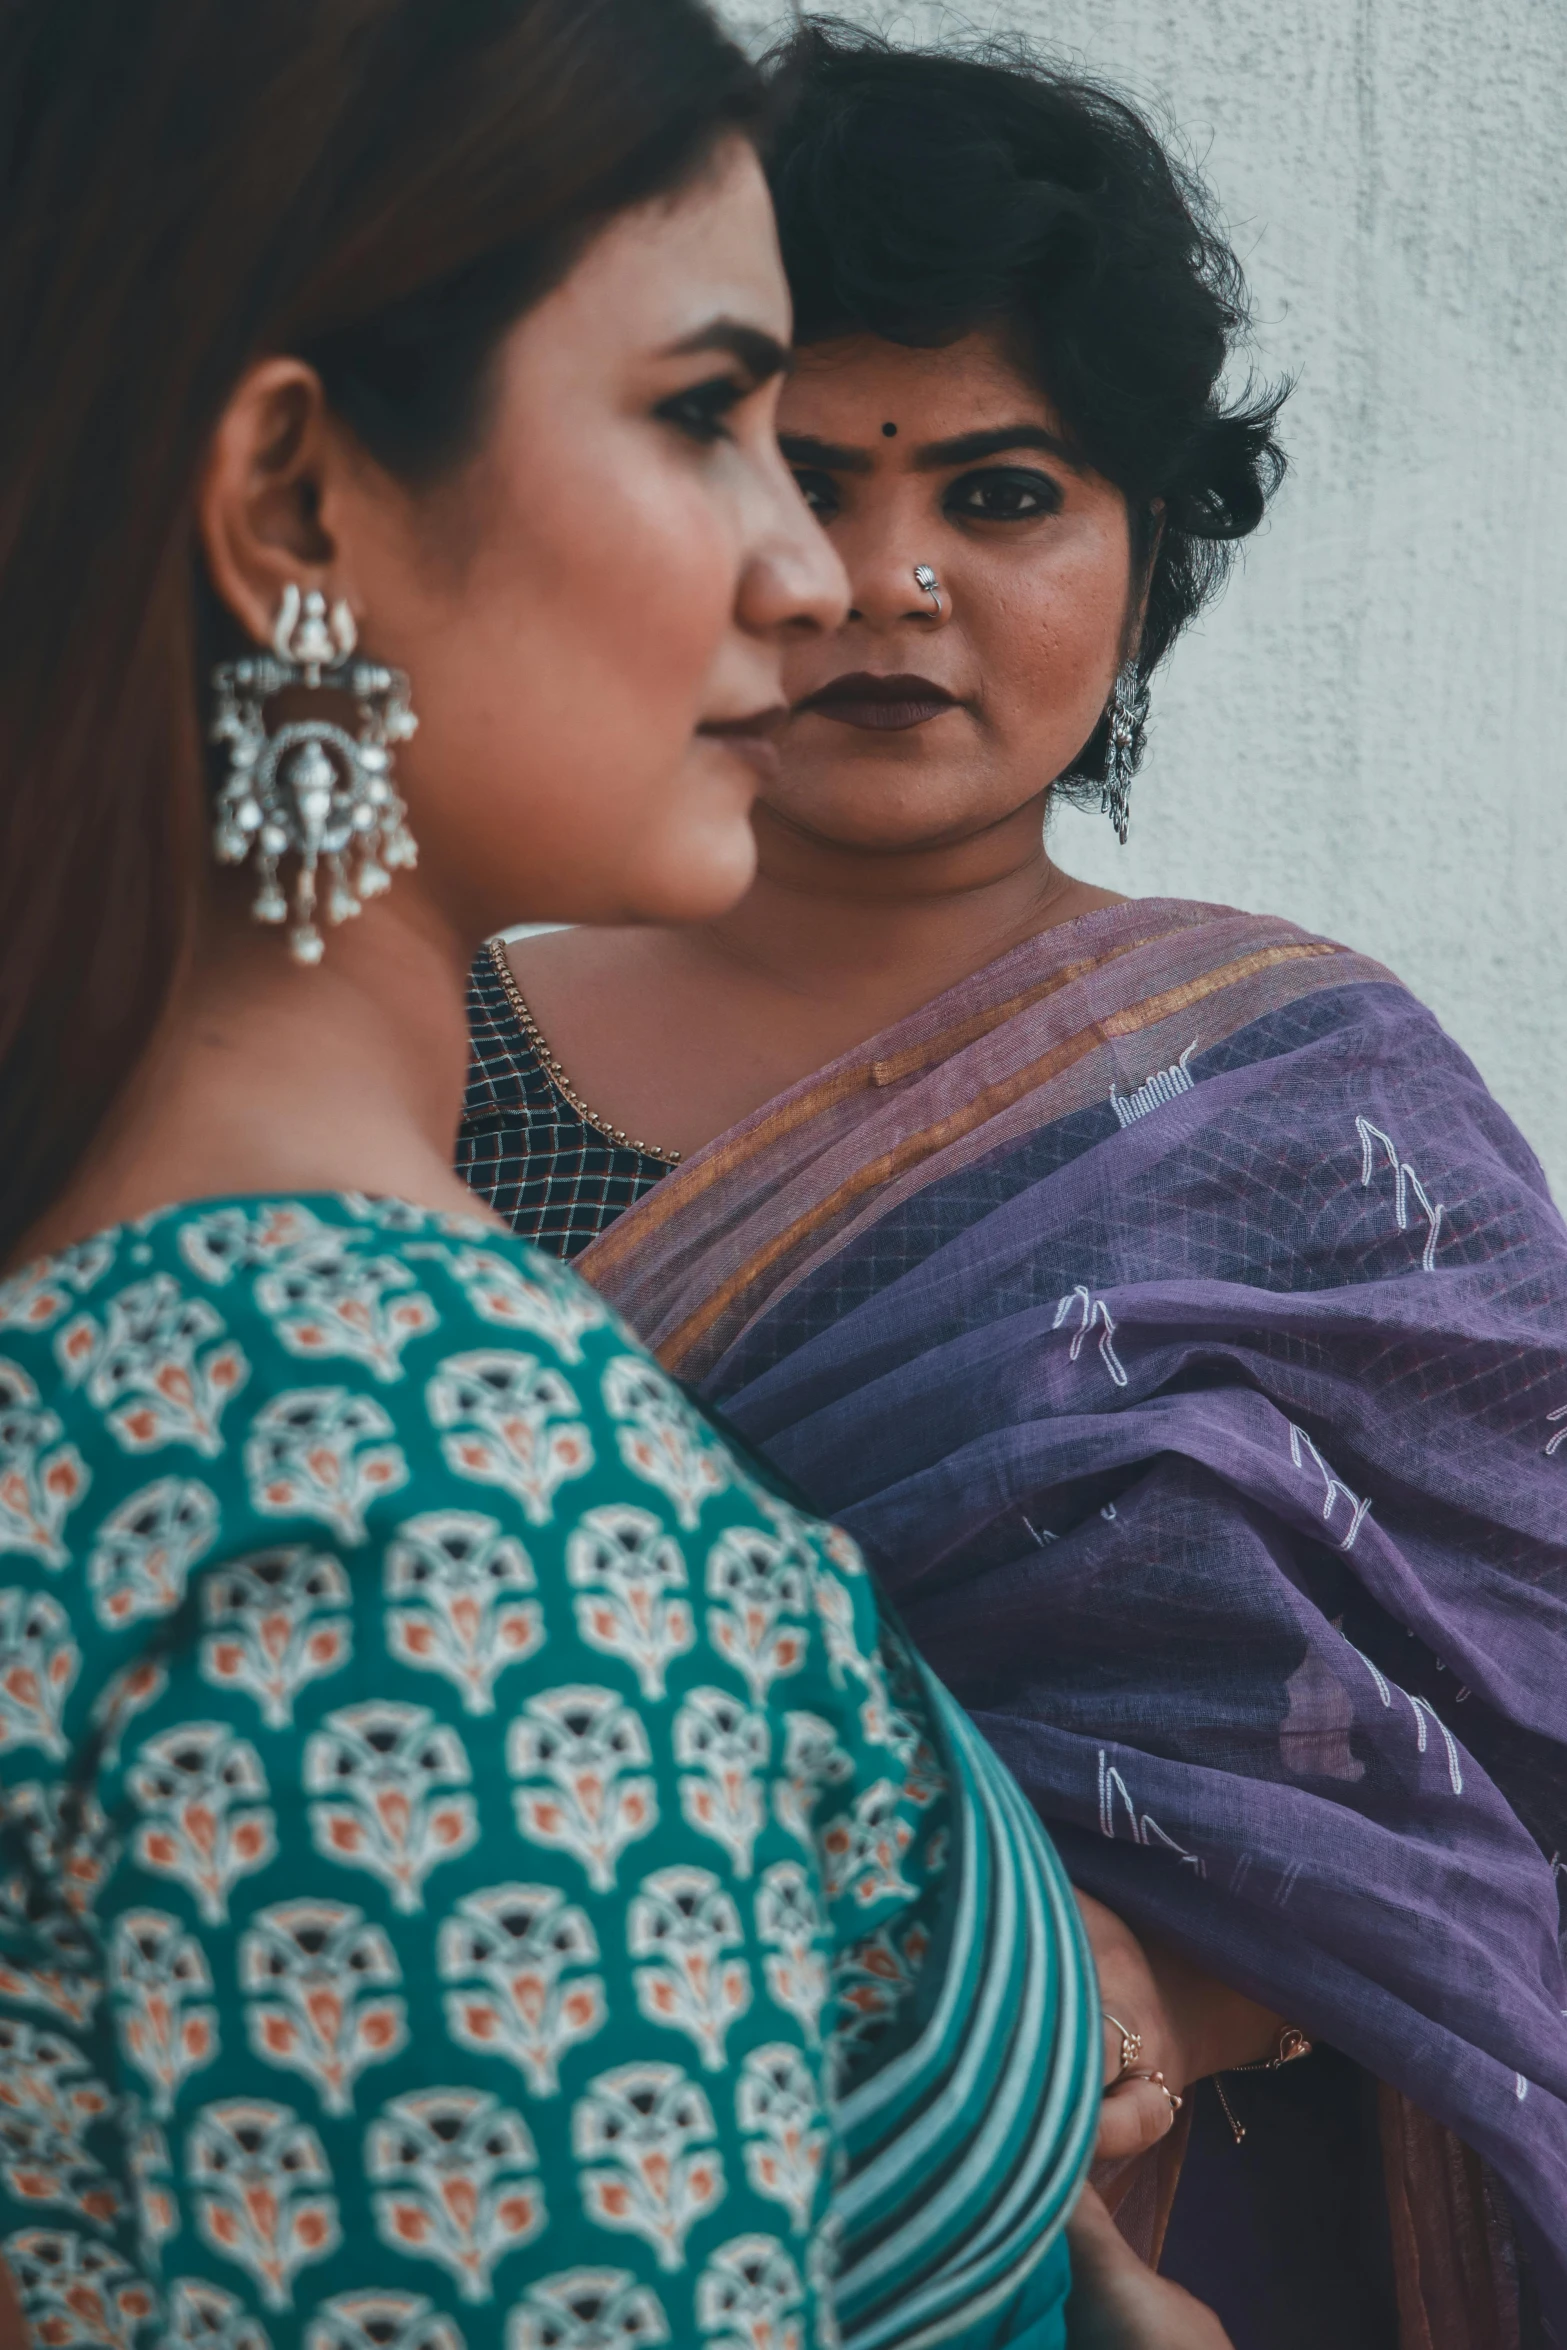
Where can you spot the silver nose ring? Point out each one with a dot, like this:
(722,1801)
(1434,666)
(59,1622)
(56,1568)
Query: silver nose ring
(926,581)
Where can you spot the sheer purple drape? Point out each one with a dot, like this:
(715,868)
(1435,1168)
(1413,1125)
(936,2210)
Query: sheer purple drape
(1216,1452)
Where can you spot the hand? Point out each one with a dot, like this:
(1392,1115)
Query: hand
(1135,2114)
(1191,2025)
(1117,2304)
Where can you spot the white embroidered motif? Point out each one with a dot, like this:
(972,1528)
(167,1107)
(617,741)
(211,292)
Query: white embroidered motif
(660,1438)
(1165,1085)
(206,1821)
(512,1422)
(1145,1829)
(1092,1313)
(1422,1709)
(458,1581)
(1405,1181)
(146,1548)
(554,1309)
(280,1620)
(759,1587)
(1334,1483)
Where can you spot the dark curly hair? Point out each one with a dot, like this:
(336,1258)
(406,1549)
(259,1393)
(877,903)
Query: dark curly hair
(925,193)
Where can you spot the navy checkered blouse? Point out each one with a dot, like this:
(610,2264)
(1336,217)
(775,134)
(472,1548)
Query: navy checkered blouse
(557,1176)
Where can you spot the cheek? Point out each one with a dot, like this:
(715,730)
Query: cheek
(562,668)
(610,596)
(1052,644)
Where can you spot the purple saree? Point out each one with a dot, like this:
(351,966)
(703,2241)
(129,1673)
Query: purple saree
(1178,1319)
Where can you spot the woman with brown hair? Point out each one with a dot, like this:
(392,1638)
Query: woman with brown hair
(479,1863)
(1152,1286)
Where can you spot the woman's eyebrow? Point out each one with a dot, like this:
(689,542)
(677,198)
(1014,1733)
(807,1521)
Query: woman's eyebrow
(968,448)
(761,355)
(803,448)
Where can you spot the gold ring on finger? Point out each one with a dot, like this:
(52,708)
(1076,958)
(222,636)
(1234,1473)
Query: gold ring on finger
(1159,2082)
(1131,2045)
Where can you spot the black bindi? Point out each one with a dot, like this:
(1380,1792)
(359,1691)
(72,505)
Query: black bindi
(891,431)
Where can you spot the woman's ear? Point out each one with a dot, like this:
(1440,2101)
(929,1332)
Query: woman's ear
(264,498)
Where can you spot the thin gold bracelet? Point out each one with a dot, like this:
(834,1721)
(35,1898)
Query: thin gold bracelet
(1291,2046)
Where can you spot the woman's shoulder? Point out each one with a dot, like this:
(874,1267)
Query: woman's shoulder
(264,1376)
(339,1279)
(212,1319)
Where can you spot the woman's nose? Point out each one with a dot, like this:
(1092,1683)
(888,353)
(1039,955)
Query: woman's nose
(795,580)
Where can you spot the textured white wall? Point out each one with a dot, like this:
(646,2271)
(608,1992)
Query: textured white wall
(1368,734)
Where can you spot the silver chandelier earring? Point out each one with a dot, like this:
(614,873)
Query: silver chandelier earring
(1128,733)
(312,790)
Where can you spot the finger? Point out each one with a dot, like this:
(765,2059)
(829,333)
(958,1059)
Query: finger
(1117,2303)
(1132,2118)
(1123,2046)
(1097,2243)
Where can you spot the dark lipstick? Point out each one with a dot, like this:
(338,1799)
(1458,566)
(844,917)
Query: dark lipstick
(883,704)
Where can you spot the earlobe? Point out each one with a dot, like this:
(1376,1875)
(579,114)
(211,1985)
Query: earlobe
(260,498)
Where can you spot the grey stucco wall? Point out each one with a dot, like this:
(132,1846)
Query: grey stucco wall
(1367,734)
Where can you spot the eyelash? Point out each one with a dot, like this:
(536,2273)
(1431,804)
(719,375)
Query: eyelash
(700,412)
(820,492)
(1038,486)
(813,486)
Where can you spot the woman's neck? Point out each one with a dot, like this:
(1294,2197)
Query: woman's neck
(865,935)
(266,1077)
(679,1034)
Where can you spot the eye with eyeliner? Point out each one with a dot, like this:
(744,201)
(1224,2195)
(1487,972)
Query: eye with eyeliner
(1002,493)
(701,411)
(818,489)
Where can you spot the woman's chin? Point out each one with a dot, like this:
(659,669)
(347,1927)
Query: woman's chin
(702,866)
(868,815)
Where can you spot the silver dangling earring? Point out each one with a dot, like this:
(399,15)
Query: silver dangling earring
(1128,733)
(312,790)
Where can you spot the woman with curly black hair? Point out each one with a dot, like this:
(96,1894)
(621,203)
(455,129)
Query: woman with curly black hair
(1153,1286)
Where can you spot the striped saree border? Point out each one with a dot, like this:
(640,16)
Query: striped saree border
(803,1105)
(677,1348)
(966,2152)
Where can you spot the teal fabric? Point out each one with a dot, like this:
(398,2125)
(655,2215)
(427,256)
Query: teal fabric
(479,1866)
(1036,2319)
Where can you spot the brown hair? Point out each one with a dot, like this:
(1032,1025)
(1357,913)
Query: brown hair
(379,185)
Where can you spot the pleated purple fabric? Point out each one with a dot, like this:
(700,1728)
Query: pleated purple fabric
(1178,1319)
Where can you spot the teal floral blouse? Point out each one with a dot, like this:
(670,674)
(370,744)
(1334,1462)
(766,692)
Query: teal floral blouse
(476,1866)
